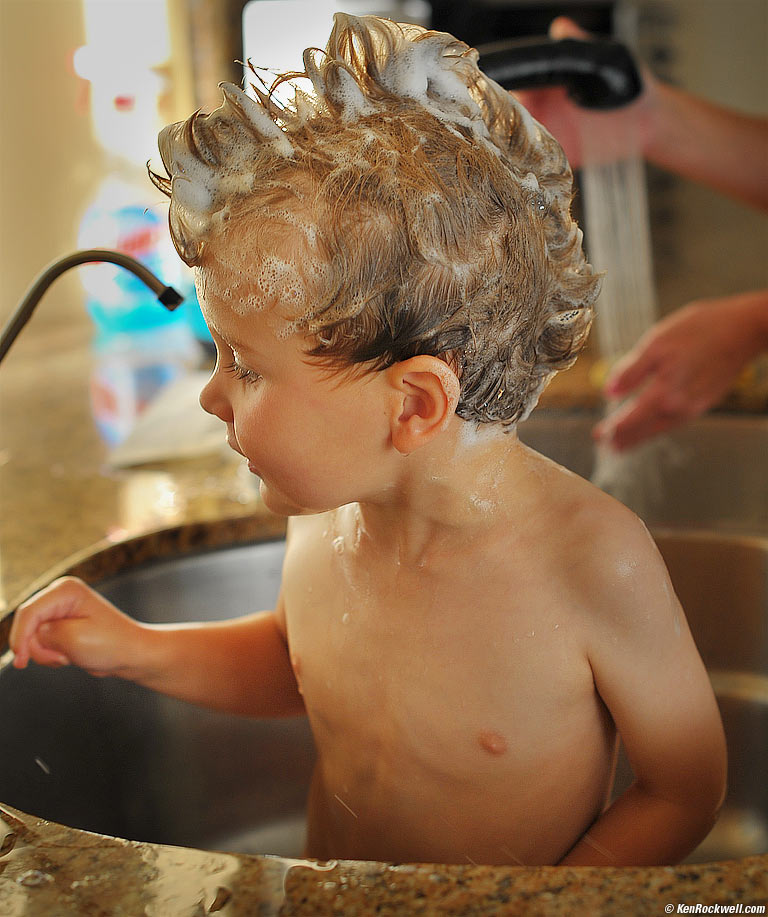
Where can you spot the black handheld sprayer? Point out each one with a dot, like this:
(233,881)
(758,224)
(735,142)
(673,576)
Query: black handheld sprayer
(598,74)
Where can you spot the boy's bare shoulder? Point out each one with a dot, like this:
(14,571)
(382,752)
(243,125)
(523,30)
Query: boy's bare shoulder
(611,558)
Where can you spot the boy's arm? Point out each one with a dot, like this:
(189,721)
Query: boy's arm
(239,666)
(649,674)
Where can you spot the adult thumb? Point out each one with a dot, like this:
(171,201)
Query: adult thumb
(563,27)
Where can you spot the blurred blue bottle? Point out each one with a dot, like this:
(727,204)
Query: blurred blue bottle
(140,346)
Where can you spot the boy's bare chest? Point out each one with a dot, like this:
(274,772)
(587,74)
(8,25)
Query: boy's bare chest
(451,669)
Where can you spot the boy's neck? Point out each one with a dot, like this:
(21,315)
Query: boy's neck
(468,481)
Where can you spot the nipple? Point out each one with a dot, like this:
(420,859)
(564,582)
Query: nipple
(492,742)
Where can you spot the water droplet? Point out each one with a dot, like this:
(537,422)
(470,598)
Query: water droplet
(338,544)
(345,618)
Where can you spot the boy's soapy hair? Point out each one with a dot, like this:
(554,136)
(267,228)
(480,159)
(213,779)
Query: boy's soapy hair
(439,212)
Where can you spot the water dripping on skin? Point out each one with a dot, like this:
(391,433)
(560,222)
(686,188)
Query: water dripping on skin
(672,598)
(480,505)
(359,527)
(296,666)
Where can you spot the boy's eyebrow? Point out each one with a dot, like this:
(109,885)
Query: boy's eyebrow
(244,347)
(235,343)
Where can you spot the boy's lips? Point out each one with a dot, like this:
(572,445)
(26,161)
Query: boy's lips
(232,443)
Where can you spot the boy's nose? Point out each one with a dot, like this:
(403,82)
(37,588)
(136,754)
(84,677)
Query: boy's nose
(213,401)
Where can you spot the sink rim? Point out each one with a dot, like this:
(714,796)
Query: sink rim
(110,557)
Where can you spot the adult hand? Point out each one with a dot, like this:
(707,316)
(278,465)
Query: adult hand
(684,365)
(719,147)
(586,134)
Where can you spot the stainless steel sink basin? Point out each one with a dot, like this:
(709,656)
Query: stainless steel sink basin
(712,474)
(110,757)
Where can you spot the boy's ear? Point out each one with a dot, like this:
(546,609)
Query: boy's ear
(426,391)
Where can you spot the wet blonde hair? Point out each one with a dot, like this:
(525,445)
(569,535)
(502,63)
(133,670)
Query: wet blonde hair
(440,210)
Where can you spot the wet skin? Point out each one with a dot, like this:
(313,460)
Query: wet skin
(451,726)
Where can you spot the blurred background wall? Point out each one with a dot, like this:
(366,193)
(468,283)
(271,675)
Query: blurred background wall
(48,158)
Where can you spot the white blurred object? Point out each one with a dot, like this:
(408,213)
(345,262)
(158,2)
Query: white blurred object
(126,43)
(173,426)
(276,32)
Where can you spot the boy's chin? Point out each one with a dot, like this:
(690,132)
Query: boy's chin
(281,505)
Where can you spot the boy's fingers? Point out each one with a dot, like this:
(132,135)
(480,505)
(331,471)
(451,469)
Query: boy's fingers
(23,629)
(35,651)
(53,603)
(51,635)
(45,655)
(19,639)
(20,658)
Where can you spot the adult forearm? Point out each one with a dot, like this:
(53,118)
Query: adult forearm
(240,666)
(715,146)
(640,829)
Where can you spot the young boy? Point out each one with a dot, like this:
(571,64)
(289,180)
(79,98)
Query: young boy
(391,275)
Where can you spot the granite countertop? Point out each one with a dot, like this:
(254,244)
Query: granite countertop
(53,870)
(62,503)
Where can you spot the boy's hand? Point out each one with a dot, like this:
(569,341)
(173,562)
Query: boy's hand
(68,623)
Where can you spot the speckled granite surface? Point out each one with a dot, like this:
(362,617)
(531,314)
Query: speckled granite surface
(64,509)
(51,871)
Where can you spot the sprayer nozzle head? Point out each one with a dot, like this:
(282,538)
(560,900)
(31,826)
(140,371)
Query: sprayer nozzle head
(170,298)
(596,74)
